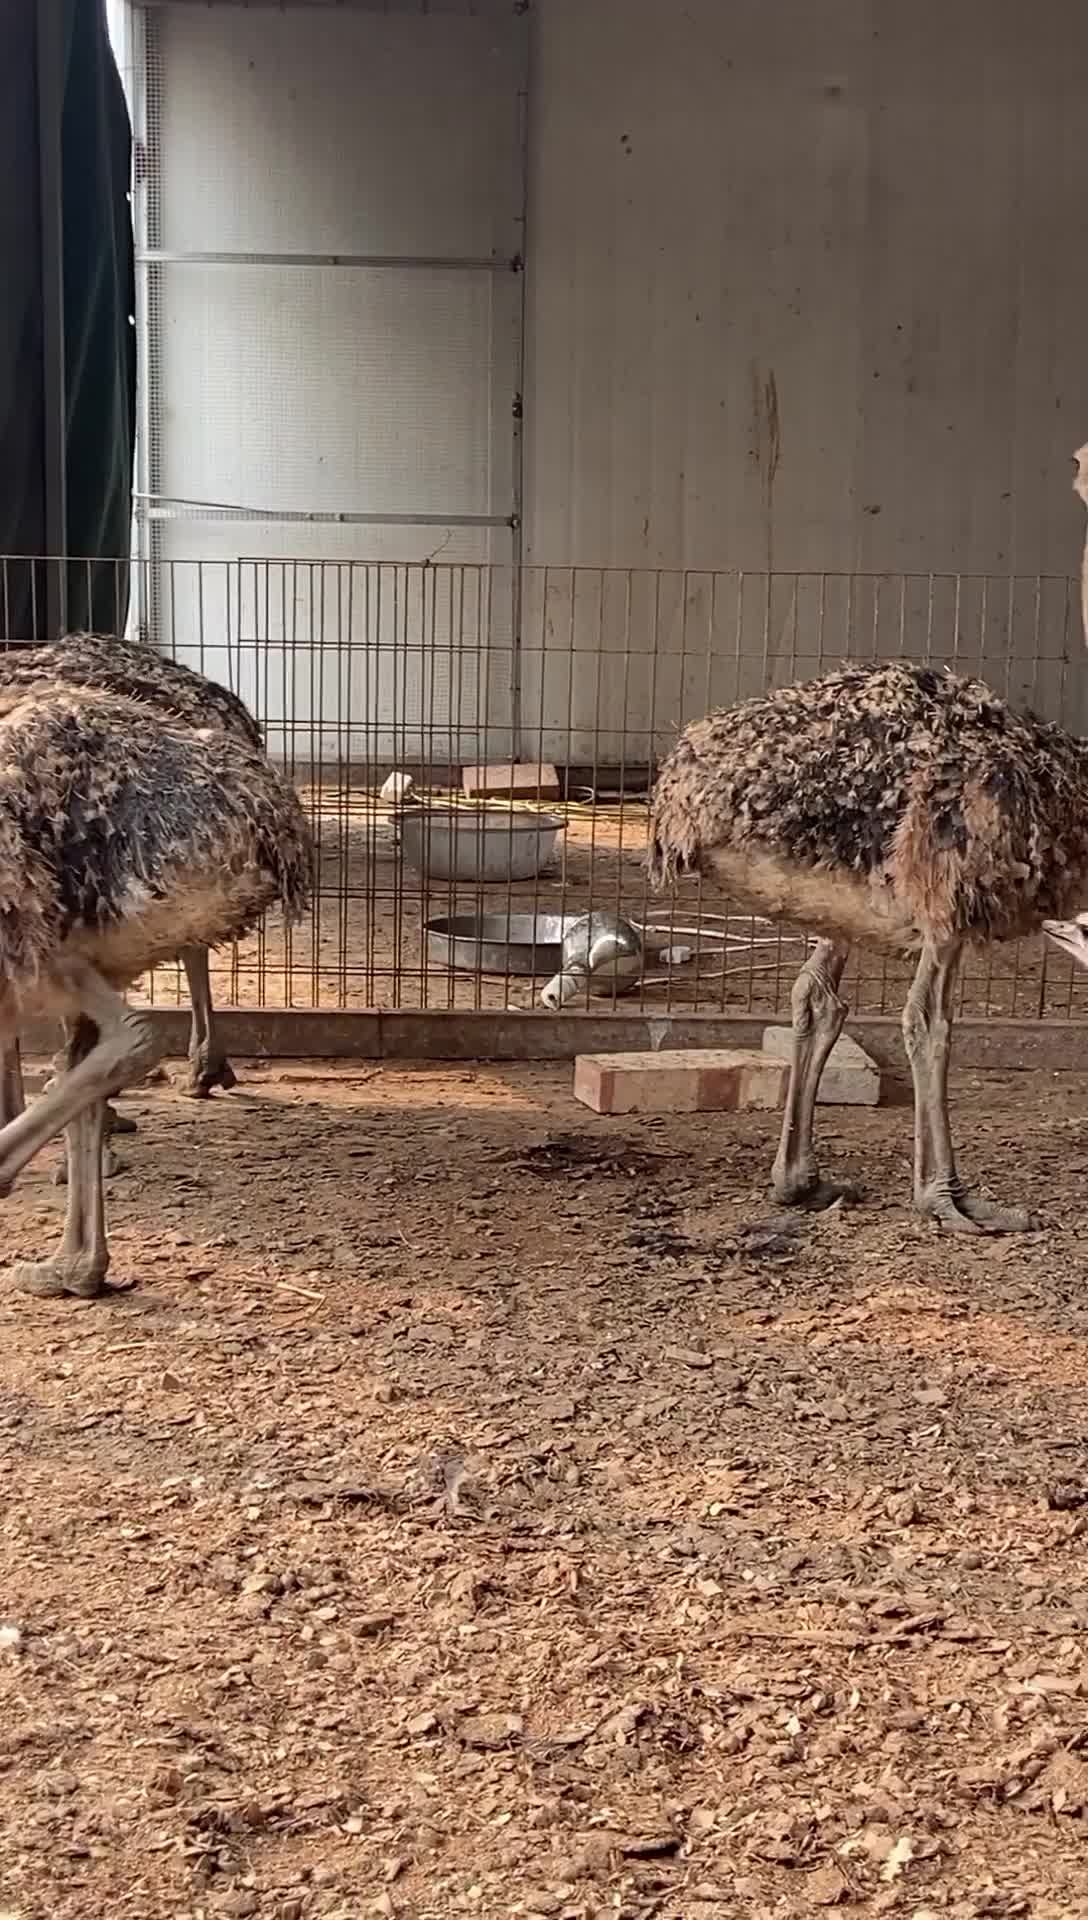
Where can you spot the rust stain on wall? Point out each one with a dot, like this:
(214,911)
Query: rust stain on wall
(766,450)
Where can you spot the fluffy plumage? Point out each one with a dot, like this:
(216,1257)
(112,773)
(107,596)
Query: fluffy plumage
(882,803)
(896,805)
(108,664)
(124,836)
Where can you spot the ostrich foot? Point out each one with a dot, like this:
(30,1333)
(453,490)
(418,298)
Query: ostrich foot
(814,1195)
(208,1070)
(963,1212)
(995,1219)
(80,1276)
(111,1165)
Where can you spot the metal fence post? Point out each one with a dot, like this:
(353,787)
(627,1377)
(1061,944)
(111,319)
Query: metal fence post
(51,209)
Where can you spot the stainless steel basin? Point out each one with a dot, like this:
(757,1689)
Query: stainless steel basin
(463,843)
(514,943)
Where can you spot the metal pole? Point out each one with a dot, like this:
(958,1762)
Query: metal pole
(144,209)
(399,262)
(142,108)
(162,506)
(51,213)
(523,30)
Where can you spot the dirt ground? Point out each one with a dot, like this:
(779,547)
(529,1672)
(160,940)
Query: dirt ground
(474,1507)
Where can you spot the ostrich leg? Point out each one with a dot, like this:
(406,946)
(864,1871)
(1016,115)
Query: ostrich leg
(208,1064)
(112,1121)
(818,1017)
(12,1102)
(123,1050)
(927,1035)
(80,1263)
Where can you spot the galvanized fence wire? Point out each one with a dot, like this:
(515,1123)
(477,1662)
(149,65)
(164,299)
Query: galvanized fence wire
(445,672)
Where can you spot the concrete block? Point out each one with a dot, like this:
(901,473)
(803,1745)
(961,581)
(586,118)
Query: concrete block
(704,1080)
(850,1078)
(511,780)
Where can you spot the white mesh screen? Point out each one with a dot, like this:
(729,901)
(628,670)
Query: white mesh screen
(326,390)
(290,403)
(334,131)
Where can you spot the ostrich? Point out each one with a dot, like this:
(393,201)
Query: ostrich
(906,808)
(113,665)
(125,837)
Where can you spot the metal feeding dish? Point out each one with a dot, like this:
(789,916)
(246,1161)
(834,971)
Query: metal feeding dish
(597,952)
(506,943)
(482,844)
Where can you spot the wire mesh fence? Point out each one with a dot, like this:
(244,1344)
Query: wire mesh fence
(525,710)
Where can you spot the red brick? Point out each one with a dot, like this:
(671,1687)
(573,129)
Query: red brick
(703,1080)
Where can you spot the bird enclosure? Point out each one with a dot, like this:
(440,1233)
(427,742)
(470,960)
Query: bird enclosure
(433,294)
(581,678)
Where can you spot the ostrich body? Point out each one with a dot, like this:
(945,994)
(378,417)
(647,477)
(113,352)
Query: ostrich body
(901,807)
(124,838)
(109,665)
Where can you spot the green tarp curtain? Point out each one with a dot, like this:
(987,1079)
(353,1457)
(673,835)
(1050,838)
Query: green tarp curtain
(99,337)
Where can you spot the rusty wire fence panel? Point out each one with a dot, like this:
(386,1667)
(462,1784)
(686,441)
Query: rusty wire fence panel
(358,670)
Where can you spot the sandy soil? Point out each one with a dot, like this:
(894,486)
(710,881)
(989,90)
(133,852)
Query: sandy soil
(474,1509)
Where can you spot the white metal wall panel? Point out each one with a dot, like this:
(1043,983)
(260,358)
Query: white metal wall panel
(323,390)
(494,9)
(805,286)
(349,661)
(311,361)
(804,293)
(321,131)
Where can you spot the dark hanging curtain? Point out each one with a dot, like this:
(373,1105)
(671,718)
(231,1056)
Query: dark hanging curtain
(99,338)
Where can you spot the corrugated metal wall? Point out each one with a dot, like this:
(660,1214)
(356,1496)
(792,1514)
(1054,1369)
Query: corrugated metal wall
(808,286)
(806,292)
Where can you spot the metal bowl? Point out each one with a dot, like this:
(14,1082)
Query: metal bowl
(461,843)
(506,943)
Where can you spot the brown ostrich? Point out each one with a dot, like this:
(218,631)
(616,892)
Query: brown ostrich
(901,807)
(108,664)
(125,837)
